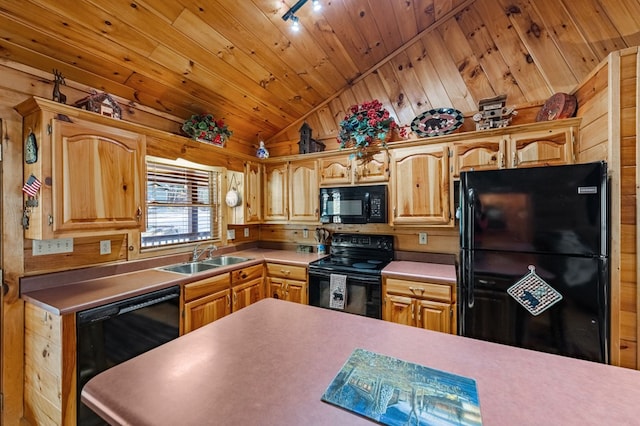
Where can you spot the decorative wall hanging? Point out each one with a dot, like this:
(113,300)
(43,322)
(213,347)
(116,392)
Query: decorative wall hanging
(102,103)
(232,199)
(205,128)
(306,143)
(30,149)
(436,122)
(558,106)
(58,80)
(493,113)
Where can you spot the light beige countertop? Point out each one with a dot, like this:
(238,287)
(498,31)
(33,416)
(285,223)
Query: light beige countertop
(73,296)
(270,363)
(419,271)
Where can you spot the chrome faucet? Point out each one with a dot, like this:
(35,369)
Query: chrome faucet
(197,253)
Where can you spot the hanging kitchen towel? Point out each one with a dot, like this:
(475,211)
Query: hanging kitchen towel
(337,291)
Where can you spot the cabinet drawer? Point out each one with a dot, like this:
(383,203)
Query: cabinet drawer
(439,292)
(207,286)
(249,273)
(287,271)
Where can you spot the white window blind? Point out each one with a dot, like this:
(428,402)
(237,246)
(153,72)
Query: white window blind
(183,204)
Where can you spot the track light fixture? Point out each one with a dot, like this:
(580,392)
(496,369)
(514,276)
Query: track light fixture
(290,15)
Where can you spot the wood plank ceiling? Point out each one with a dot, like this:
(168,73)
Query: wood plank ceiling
(240,61)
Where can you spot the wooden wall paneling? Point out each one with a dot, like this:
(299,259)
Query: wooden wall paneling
(86,252)
(595,25)
(474,76)
(637,234)
(397,104)
(560,27)
(405,20)
(338,112)
(365,23)
(549,62)
(12,310)
(625,15)
(523,43)
(432,85)
(447,71)
(613,158)
(489,57)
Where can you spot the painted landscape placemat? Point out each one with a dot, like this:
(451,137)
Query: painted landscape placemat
(395,392)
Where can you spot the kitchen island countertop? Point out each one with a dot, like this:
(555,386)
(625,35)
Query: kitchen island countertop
(271,362)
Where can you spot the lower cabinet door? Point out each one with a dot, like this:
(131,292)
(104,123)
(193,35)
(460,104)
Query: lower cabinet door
(434,316)
(206,309)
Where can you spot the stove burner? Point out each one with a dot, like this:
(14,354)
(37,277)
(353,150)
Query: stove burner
(364,265)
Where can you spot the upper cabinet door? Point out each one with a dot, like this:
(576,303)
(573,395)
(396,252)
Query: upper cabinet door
(276,199)
(304,196)
(253,192)
(335,171)
(479,154)
(375,170)
(542,148)
(98,177)
(420,185)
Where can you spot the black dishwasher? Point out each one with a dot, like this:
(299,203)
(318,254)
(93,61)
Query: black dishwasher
(110,334)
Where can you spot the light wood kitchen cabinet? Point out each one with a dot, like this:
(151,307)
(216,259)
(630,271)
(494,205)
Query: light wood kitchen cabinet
(487,153)
(287,282)
(419,185)
(304,195)
(276,193)
(291,192)
(92,172)
(343,170)
(247,286)
(49,375)
(538,144)
(252,192)
(420,304)
(206,301)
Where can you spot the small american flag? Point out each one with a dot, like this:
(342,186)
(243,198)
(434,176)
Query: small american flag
(31,186)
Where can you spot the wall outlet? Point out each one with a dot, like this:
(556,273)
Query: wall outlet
(62,245)
(105,247)
(231,234)
(305,233)
(246,232)
(422,238)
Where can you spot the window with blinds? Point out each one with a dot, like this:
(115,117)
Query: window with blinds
(183,204)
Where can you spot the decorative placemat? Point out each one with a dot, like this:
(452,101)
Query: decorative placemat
(396,392)
(533,293)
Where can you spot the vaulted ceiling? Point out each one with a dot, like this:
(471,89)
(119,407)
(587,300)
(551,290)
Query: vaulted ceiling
(239,60)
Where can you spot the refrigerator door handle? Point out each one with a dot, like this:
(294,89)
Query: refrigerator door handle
(470,284)
(469,237)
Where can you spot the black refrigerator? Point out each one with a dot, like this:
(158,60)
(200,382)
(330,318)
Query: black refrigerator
(534,267)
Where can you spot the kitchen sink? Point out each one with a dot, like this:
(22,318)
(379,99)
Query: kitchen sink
(225,260)
(190,267)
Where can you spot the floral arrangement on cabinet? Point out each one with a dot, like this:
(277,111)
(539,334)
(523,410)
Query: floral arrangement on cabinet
(205,128)
(367,128)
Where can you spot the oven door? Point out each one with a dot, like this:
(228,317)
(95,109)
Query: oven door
(363,292)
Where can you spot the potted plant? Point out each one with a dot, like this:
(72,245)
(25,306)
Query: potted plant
(205,128)
(367,128)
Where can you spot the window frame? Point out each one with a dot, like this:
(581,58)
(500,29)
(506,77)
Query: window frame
(216,177)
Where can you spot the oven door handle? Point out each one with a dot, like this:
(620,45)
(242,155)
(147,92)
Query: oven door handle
(350,276)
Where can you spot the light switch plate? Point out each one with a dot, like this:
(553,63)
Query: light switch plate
(422,238)
(61,245)
(105,247)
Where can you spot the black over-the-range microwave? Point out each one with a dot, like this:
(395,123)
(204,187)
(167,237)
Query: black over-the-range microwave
(353,204)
